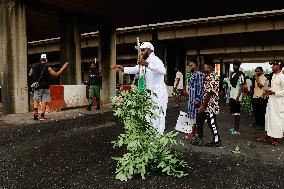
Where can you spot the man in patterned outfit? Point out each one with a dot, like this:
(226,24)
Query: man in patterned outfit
(210,106)
(195,87)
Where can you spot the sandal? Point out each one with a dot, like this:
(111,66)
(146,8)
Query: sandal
(235,132)
(231,130)
(274,142)
(188,137)
(264,138)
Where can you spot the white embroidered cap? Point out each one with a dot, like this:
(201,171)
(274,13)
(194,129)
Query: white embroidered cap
(43,56)
(147,45)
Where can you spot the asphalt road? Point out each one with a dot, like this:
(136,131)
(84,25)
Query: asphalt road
(76,153)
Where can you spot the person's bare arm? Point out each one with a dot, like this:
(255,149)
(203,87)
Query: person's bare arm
(206,101)
(240,92)
(31,72)
(259,84)
(56,74)
(117,67)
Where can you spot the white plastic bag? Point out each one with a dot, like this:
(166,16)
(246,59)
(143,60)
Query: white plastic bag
(183,123)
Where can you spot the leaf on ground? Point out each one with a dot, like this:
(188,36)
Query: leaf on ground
(236,151)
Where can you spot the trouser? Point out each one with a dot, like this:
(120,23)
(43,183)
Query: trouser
(212,124)
(94,91)
(259,110)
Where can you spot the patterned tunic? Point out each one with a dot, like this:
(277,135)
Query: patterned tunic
(211,84)
(195,88)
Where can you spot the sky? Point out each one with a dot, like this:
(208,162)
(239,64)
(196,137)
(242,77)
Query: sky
(250,66)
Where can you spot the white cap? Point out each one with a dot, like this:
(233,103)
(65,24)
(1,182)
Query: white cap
(148,45)
(43,56)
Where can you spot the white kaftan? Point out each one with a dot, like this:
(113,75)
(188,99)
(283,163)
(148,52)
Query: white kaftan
(274,117)
(154,81)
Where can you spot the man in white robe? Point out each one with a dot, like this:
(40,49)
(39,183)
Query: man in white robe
(274,118)
(154,80)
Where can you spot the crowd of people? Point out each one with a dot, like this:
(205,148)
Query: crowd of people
(264,94)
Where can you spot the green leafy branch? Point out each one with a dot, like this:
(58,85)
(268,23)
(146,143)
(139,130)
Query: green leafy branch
(147,150)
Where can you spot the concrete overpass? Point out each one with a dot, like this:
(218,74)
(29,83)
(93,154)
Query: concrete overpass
(250,37)
(30,20)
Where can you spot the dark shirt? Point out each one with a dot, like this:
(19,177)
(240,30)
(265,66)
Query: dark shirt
(44,80)
(95,77)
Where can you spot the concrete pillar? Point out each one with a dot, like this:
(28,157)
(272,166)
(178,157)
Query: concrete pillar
(107,57)
(222,67)
(171,62)
(227,69)
(200,60)
(128,80)
(120,78)
(70,49)
(181,62)
(13,57)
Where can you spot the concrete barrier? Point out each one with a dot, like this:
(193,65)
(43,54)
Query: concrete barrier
(67,96)
(72,96)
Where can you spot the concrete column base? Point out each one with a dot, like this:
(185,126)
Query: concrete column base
(13,57)
(107,57)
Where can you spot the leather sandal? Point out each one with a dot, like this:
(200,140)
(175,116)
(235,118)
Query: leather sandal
(189,137)
(274,142)
(264,138)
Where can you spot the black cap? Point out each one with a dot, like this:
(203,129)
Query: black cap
(237,63)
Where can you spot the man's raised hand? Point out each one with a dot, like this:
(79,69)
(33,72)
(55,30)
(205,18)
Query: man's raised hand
(117,67)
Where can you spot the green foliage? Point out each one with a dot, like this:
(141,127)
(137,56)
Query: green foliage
(247,104)
(147,150)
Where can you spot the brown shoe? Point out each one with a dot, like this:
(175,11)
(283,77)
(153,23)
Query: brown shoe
(274,142)
(264,138)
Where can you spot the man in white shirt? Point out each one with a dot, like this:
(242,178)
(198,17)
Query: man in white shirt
(274,117)
(178,87)
(154,80)
(258,101)
(237,82)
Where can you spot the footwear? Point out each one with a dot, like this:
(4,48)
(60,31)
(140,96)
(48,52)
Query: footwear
(42,118)
(35,116)
(213,144)
(89,108)
(231,130)
(197,142)
(189,137)
(274,142)
(234,132)
(264,138)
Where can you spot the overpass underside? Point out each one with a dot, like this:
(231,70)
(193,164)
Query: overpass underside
(257,38)
(248,36)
